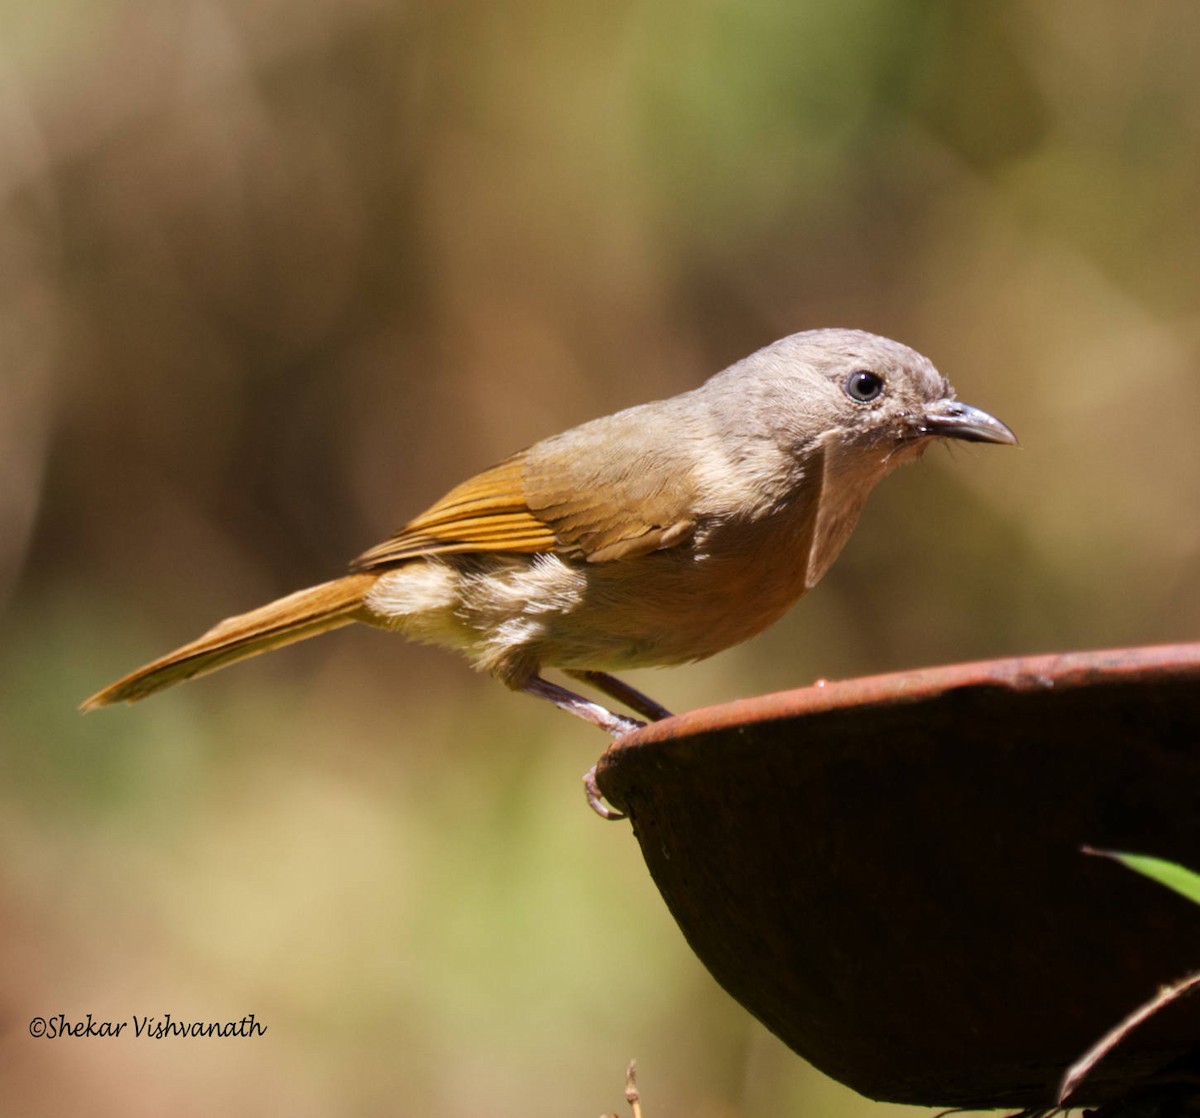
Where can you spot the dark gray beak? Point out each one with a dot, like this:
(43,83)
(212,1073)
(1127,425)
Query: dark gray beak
(948,419)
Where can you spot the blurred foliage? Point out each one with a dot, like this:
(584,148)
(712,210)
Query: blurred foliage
(278,273)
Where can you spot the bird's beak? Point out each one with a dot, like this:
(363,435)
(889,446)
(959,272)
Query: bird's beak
(949,419)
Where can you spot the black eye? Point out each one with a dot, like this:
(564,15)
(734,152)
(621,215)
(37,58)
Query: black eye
(864,386)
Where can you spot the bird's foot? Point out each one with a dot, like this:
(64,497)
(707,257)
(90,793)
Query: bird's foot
(615,725)
(595,798)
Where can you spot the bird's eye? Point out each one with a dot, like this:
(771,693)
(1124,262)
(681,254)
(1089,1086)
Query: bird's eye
(863,386)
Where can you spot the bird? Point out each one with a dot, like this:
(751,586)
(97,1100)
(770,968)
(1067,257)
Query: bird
(658,535)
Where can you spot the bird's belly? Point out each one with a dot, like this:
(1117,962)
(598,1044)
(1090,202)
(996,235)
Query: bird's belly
(669,608)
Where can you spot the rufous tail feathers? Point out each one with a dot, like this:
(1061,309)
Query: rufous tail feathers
(303,614)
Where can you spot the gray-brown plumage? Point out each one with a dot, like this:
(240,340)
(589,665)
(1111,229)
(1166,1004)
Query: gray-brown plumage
(658,535)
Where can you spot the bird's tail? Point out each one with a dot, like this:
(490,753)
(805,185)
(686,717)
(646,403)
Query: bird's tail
(303,614)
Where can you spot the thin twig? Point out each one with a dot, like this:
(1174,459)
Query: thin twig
(631,1091)
(1082,1067)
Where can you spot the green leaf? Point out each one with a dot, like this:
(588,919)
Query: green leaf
(1183,881)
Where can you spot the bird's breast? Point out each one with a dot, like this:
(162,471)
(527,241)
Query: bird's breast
(731,581)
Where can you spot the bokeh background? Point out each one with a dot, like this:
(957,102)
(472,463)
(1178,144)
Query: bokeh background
(275,274)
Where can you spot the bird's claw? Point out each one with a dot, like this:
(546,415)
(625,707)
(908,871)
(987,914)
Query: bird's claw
(595,798)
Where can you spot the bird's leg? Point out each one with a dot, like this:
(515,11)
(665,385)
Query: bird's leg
(610,723)
(621,691)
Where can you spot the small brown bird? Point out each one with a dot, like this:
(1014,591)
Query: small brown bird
(658,535)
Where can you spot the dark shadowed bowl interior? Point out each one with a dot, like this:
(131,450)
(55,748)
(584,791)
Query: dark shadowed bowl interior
(888,873)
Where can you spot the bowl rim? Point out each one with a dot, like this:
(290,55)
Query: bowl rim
(1041,672)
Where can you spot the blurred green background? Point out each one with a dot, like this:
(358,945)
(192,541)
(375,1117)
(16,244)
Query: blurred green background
(275,274)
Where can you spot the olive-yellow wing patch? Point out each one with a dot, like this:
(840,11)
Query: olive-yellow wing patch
(485,513)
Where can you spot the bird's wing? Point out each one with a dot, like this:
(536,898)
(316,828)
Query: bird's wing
(587,499)
(486,513)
